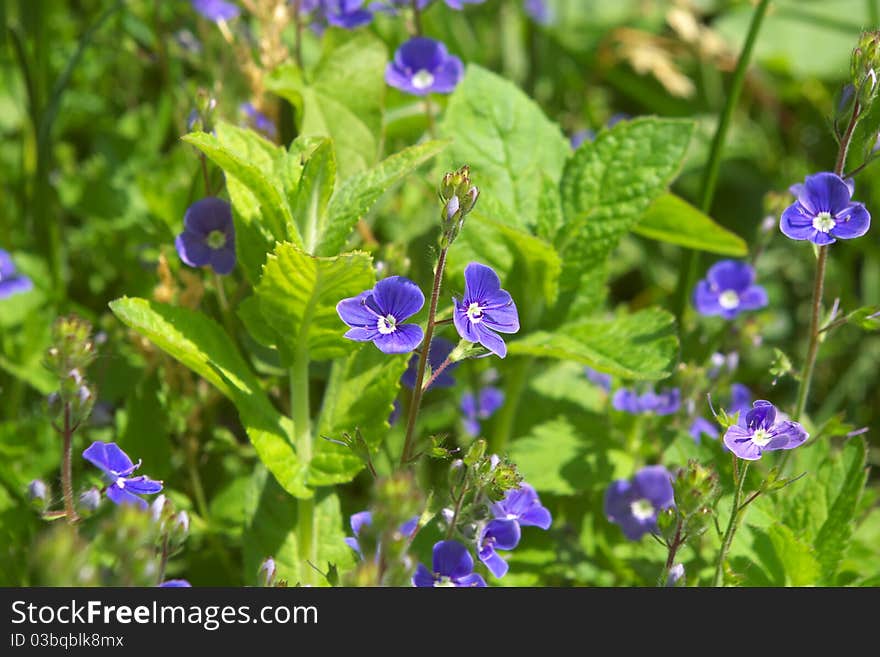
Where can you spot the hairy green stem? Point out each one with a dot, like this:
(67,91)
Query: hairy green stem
(299,412)
(407,454)
(736,515)
(688,273)
(66,469)
(517,378)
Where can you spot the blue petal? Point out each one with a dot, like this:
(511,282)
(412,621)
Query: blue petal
(423,577)
(654,483)
(452,559)
(142,485)
(121,496)
(491,399)
(403,340)
(504,534)
(109,458)
(481,283)
(175,584)
(399,297)
(496,565)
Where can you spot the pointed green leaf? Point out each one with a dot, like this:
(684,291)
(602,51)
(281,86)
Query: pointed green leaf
(357,195)
(342,98)
(360,395)
(200,344)
(510,145)
(312,197)
(643,345)
(298,294)
(674,220)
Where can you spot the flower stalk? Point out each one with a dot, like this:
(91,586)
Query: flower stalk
(736,516)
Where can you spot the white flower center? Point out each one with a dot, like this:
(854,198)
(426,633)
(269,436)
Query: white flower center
(387,324)
(761,437)
(120,482)
(443,581)
(216,239)
(512,516)
(422,79)
(642,509)
(475,313)
(728,300)
(824,222)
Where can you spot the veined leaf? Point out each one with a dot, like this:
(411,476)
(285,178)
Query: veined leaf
(674,220)
(316,184)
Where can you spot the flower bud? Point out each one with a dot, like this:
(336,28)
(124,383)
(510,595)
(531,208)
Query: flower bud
(458,197)
(864,65)
(38,493)
(266,573)
(89,501)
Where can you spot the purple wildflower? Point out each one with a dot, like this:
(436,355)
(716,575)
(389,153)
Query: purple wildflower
(175,584)
(484,309)
(365,519)
(422,66)
(11,282)
(761,431)
(598,378)
(524,506)
(347,14)
(452,565)
(216,10)
(377,315)
(208,236)
(500,535)
(666,402)
(117,466)
(700,427)
(538,11)
(482,407)
(258,120)
(729,289)
(438,352)
(823,211)
(634,504)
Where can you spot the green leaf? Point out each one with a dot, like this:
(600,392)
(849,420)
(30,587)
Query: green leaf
(834,535)
(866,318)
(674,220)
(643,345)
(510,145)
(359,396)
(528,266)
(608,184)
(200,344)
(357,195)
(312,197)
(785,560)
(272,517)
(298,294)
(552,458)
(252,161)
(343,98)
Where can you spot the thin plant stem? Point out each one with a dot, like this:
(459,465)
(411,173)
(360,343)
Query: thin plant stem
(676,543)
(456,512)
(417,18)
(713,167)
(66,469)
(406,456)
(299,411)
(446,363)
(221,293)
(736,516)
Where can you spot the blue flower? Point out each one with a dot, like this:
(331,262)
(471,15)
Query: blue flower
(117,466)
(701,426)
(216,10)
(823,211)
(484,309)
(348,14)
(759,431)
(422,66)
(438,352)
(581,136)
(500,535)
(728,290)
(452,565)
(474,409)
(258,120)
(208,236)
(524,506)
(600,379)
(540,12)
(11,282)
(377,315)
(175,584)
(665,402)
(634,504)
(365,518)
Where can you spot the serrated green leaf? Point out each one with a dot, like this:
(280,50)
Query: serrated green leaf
(342,98)
(674,220)
(270,532)
(799,562)
(553,458)
(252,160)
(316,184)
(608,184)
(357,195)
(834,535)
(359,396)
(510,145)
(298,294)
(643,345)
(200,344)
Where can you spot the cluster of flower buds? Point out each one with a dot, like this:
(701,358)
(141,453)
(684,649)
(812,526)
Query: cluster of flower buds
(696,491)
(71,353)
(864,67)
(173,525)
(201,118)
(492,475)
(458,197)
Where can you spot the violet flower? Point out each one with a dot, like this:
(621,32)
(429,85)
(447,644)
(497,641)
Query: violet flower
(823,211)
(728,290)
(452,565)
(377,315)
(118,467)
(634,504)
(216,10)
(208,236)
(666,402)
(422,66)
(11,282)
(438,352)
(347,14)
(760,431)
(485,309)
(482,407)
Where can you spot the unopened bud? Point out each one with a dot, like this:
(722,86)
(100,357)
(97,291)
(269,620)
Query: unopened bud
(266,573)
(38,492)
(89,501)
